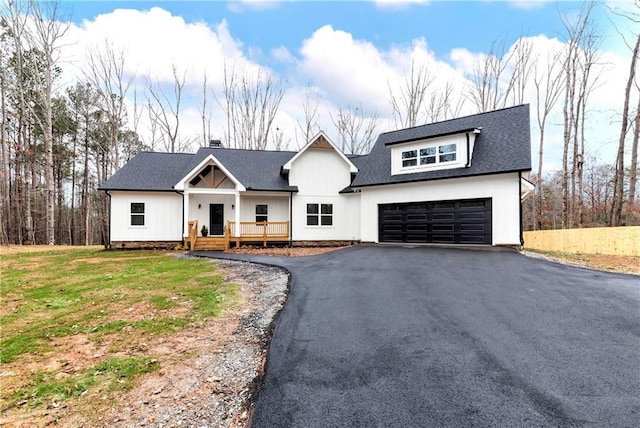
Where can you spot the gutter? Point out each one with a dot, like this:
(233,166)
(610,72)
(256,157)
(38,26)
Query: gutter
(108,246)
(468,154)
(291,218)
(520,207)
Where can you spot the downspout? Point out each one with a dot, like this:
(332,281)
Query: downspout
(520,208)
(109,196)
(290,219)
(468,151)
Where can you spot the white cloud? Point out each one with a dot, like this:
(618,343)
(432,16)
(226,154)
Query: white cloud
(153,40)
(341,70)
(351,72)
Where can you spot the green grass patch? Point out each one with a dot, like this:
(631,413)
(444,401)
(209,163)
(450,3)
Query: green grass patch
(56,294)
(116,373)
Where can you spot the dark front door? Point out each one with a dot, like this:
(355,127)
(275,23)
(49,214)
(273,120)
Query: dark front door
(442,222)
(216,219)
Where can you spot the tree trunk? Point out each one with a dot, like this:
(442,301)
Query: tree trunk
(633,174)
(618,191)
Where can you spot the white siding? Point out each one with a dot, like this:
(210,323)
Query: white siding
(162,212)
(320,175)
(199,208)
(278,206)
(503,189)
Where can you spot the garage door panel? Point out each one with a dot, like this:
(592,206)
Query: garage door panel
(446,222)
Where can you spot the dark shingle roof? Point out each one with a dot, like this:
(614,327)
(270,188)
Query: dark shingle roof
(150,171)
(504,145)
(256,170)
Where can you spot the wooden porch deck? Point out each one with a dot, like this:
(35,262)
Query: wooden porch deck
(258,232)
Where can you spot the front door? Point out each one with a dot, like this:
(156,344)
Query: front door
(216,219)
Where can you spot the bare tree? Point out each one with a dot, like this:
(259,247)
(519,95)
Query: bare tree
(633,170)
(409,104)
(501,76)
(356,132)
(250,105)
(618,192)
(521,69)
(165,110)
(45,37)
(205,113)
(579,59)
(106,72)
(548,84)
(310,126)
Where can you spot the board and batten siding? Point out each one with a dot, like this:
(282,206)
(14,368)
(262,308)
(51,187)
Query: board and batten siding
(277,206)
(503,189)
(320,175)
(199,208)
(162,216)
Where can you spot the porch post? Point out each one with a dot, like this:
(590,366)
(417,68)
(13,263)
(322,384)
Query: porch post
(185,210)
(237,214)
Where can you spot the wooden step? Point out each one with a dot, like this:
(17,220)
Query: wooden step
(214,243)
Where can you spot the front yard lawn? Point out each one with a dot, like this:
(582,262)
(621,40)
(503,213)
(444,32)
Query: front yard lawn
(83,321)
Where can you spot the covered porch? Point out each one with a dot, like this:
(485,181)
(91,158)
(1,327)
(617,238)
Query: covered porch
(236,233)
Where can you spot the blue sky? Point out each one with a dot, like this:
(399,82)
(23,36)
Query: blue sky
(348,53)
(445,24)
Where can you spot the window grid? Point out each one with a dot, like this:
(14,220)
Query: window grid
(262,213)
(319,214)
(433,155)
(137,213)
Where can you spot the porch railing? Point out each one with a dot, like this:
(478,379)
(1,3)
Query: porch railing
(265,231)
(193,233)
(256,231)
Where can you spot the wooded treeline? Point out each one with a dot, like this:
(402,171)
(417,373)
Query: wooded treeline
(59,144)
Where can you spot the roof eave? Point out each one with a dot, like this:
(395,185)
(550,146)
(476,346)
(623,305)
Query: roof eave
(475,130)
(357,186)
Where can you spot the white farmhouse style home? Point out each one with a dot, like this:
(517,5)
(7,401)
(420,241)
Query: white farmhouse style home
(459,181)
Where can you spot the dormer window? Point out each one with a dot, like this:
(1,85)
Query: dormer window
(409,158)
(432,155)
(445,151)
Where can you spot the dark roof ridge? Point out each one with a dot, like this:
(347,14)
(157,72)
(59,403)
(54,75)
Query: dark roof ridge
(454,118)
(246,150)
(165,153)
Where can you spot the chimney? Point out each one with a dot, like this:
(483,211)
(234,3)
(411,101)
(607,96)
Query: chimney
(215,144)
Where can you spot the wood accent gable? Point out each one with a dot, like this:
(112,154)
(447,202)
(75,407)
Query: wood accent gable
(321,143)
(209,177)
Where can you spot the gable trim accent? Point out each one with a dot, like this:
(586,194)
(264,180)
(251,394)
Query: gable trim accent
(209,158)
(320,141)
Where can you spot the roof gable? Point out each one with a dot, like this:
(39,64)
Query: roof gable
(207,160)
(320,141)
(504,145)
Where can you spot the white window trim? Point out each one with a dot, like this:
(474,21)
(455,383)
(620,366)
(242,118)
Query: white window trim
(437,155)
(319,216)
(263,215)
(143,214)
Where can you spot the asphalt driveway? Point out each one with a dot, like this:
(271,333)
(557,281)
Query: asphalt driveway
(436,337)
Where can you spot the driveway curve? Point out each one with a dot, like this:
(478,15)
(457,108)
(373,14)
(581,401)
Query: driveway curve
(392,336)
